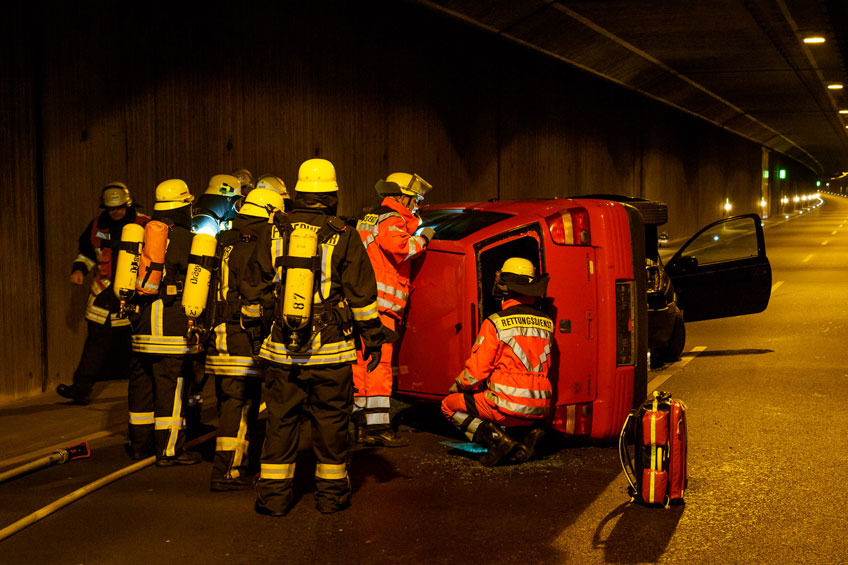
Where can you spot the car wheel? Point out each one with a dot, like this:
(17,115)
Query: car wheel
(671,352)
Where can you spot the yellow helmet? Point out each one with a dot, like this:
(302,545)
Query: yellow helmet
(271,182)
(224,185)
(403,183)
(519,266)
(245,179)
(172,193)
(115,194)
(259,202)
(316,175)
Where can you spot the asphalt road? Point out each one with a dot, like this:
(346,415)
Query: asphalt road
(766,396)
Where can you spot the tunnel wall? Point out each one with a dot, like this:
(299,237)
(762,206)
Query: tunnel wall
(161,90)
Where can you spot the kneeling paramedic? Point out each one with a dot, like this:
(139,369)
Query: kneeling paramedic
(388,234)
(324,287)
(505,380)
(164,361)
(234,343)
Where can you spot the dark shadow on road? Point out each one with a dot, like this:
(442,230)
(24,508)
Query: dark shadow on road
(639,534)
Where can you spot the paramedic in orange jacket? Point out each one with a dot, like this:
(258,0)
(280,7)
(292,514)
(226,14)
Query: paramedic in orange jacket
(387,233)
(505,380)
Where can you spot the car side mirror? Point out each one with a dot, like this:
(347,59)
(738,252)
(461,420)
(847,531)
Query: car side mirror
(685,264)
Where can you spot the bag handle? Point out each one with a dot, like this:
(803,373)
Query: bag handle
(624,456)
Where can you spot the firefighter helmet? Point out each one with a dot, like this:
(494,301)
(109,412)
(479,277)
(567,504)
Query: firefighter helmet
(316,175)
(260,202)
(518,277)
(245,179)
(403,184)
(224,185)
(115,194)
(275,183)
(172,193)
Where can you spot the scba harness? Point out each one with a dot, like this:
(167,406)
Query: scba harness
(302,306)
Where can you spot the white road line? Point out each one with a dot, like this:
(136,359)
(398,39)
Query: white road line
(775,286)
(670,371)
(824,242)
(805,259)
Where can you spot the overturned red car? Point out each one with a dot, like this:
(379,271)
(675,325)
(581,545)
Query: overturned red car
(594,251)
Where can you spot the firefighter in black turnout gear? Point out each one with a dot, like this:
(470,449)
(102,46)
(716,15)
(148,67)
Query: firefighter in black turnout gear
(107,346)
(164,361)
(325,289)
(234,343)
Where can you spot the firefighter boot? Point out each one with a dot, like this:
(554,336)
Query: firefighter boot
(498,444)
(527,448)
(358,419)
(73,392)
(383,435)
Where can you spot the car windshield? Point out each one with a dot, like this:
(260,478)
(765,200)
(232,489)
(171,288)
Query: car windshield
(453,225)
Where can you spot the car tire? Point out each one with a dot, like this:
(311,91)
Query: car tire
(676,343)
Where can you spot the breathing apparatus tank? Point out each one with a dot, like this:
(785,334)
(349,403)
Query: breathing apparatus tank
(297,298)
(152,261)
(196,289)
(126,268)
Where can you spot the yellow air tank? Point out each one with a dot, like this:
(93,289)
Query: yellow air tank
(297,299)
(126,268)
(199,275)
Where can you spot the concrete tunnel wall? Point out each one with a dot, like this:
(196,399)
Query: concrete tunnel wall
(163,90)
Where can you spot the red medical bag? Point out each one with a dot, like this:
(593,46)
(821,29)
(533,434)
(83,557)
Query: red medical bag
(655,433)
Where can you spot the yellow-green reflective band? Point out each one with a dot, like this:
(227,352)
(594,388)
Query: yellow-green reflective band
(229,444)
(251,310)
(365,312)
(170,423)
(84,260)
(331,472)
(276,471)
(141,418)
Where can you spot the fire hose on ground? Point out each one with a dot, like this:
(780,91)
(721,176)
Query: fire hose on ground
(81,492)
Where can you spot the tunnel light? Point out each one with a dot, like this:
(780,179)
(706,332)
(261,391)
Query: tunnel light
(814,40)
(784,200)
(843,111)
(727,205)
(763,203)
(781,174)
(715,238)
(835,86)
(796,199)
(786,216)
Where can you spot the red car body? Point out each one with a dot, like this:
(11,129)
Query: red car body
(594,252)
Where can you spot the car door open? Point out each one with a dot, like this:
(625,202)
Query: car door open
(722,270)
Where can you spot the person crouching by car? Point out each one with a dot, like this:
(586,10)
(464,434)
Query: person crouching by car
(505,381)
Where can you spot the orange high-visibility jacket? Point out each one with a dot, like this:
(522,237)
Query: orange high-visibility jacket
(387,235)
(511,357)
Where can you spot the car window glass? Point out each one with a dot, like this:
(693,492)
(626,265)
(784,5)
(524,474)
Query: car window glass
(727,241)
(453,225)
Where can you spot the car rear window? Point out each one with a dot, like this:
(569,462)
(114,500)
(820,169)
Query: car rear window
(453,225)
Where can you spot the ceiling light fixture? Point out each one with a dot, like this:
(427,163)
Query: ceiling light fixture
(843,111)
(812,39)
(835,86)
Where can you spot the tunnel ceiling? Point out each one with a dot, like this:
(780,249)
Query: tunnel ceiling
(740,64)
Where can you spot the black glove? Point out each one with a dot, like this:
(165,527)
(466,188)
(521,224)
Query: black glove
(374,354)
(390,336)
(427,233)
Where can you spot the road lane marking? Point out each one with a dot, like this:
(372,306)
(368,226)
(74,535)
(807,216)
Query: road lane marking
(824,242)
(833,232)
(805,259)
(670,371)
(775,286)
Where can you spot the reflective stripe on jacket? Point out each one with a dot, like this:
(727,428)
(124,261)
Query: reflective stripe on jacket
(387,235)
(95,252)
(511,356)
